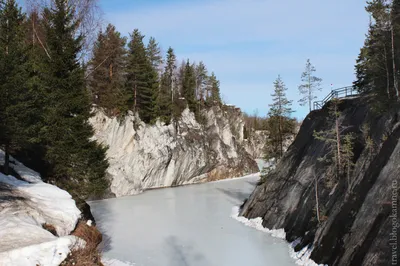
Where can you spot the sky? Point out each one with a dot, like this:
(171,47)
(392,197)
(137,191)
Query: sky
(248,43)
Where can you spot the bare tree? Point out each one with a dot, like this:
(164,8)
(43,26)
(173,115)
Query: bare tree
(87,13)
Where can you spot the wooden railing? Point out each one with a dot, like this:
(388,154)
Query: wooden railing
(336,94)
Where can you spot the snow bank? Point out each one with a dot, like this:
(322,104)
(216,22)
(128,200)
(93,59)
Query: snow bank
(302,257)
(257,224)
(24,207)
(50,253)
(44,203)
(26,173)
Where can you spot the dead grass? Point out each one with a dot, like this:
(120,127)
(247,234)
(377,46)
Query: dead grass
(50,228)
(89,255)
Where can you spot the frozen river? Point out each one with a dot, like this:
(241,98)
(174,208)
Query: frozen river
(187,226)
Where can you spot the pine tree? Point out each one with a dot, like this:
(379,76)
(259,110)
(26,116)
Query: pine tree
(107,77)
(395,38)
(142,82)
(189,86)
(310,86)
(377,65)
(77,163)
(348,156)
(340,148)
(280,123)
(333,138)
(13,75)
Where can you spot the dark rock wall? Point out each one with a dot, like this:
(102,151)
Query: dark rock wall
(357,217)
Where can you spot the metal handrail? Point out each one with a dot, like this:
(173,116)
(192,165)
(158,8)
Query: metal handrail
(337,94)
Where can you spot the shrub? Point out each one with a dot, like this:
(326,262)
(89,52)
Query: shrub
(89,255)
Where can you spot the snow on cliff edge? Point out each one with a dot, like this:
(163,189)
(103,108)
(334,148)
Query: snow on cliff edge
(24,207)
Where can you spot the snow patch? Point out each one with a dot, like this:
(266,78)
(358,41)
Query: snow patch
(44,203)
(115,262)
(257,224)
(26,207)
(302,257)
(26,173)
(50,253)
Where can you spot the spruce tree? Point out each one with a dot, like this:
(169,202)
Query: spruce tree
(34,95)
(214,91)
(13,108)
(107,77)
(142,84)
(310,85)
(280,123)
(166,95)
(189,86)
(77,163)
(154,54)
(180,75)
(201,81)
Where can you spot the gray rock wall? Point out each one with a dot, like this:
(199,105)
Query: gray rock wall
(151,156)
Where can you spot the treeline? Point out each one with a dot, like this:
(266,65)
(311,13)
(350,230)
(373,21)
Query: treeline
(279,123)
(127,74)
(47,91)
(378,63)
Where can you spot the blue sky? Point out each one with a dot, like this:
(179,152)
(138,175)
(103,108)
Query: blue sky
(249,42)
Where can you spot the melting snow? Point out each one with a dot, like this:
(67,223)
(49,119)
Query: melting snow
(27,205)
(115,262)
(302,257)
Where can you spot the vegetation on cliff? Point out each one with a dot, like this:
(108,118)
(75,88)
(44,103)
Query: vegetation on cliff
(49,79)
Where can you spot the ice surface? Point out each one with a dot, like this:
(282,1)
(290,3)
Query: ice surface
(188,225)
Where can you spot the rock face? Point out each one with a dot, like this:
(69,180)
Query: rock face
(150,156)
(256,142)
(358,220)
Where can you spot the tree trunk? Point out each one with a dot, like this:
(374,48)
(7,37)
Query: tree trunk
(387,73)
(33,30)
(316,198)
(348,174)
(338,141)
(396,86)
(309,92)
(280,137)
(135,99)
(6,160)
